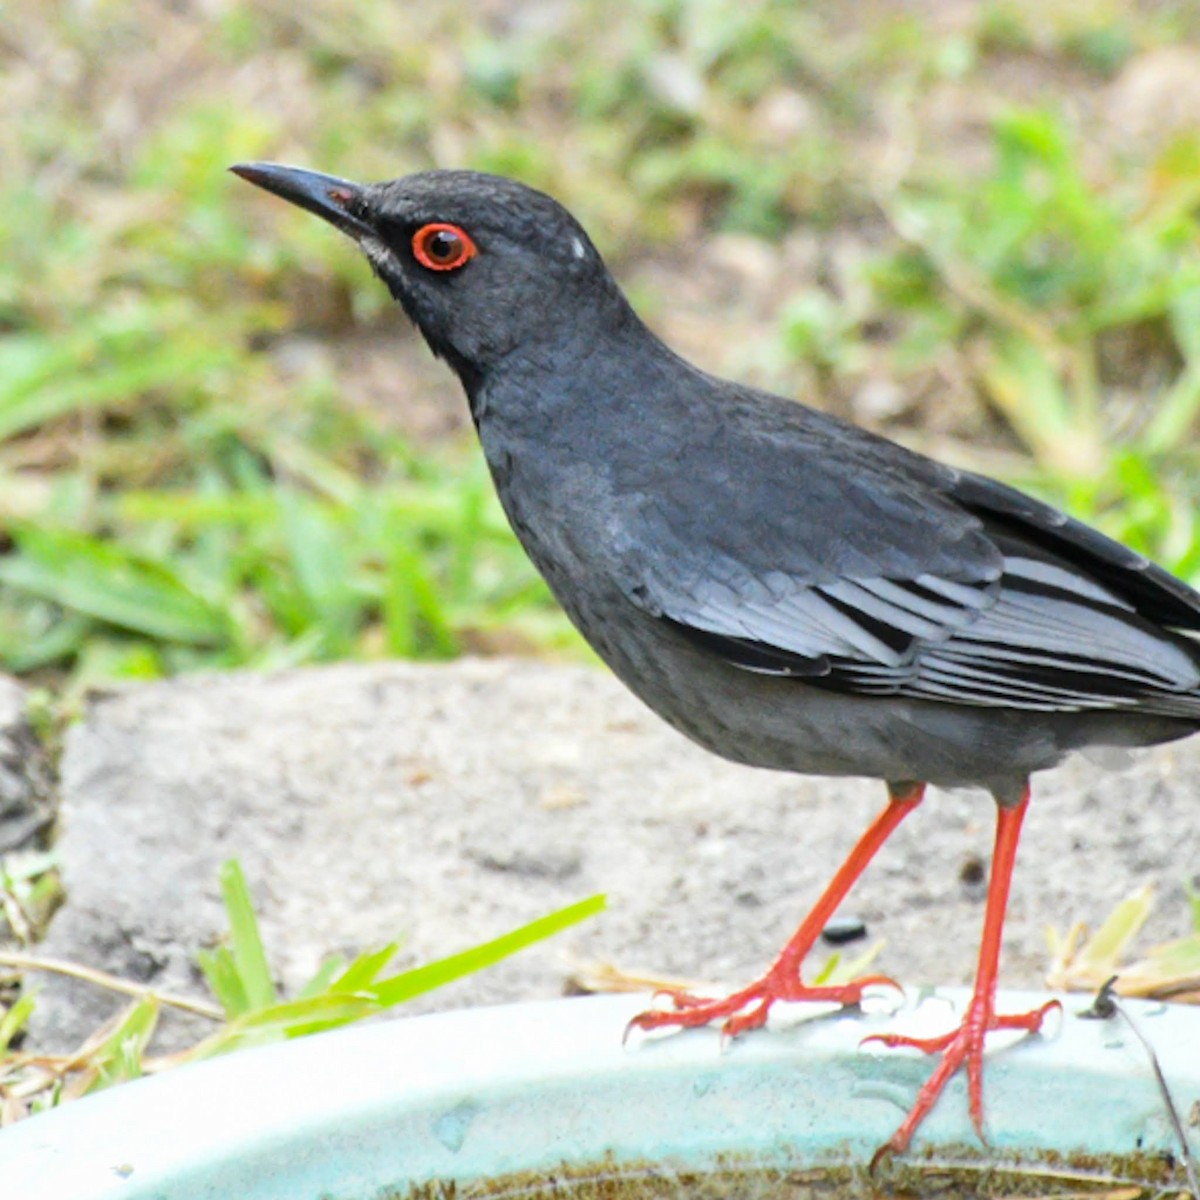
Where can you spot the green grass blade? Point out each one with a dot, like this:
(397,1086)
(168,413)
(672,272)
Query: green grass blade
(14,1019)
(398,988)
(838,969)
(328,1009)
(111,583)
(364,970)
(1107,946)
(110,361)
(222,975)
(322,981)
(320,556)
(1193,897)
(1178,959)
(1028,388)
(246,947)
(120,1058)
(292,1018)
(22,652)
(411,599)
(1174,415)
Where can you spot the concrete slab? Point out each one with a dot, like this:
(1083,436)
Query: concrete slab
(449,803)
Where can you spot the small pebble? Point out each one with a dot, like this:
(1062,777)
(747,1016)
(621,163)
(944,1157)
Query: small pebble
(973,871)
(841,930)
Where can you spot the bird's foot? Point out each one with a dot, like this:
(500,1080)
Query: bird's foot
(959,1047)
(748,1008)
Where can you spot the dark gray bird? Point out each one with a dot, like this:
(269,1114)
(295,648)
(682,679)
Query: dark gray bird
(787,590)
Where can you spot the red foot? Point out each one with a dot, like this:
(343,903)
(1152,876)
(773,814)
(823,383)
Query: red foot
(960,1046)
(748,1008)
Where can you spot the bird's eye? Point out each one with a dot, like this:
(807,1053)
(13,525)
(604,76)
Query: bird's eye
(442,247)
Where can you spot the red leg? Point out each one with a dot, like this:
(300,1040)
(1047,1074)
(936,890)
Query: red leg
(748,1008)
(964,1045)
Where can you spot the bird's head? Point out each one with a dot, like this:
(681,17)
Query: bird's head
(482,265)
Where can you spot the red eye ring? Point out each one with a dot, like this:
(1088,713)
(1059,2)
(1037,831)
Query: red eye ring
(442,247)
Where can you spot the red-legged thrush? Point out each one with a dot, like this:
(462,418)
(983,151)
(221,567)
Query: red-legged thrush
(786,589)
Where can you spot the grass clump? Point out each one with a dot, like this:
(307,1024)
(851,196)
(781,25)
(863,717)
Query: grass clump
(1068,305)
(249,1009)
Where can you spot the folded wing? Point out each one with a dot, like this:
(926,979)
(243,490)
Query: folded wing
(979,595)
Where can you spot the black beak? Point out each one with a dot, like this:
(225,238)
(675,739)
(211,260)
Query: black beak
(326,195)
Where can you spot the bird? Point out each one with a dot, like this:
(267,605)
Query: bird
(788,590)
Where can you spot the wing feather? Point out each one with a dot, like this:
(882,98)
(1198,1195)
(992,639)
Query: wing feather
(1043,636)
(862,568)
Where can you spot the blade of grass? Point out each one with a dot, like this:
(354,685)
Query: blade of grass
(292,1018)
(223,979)
(839,970)
(64,638)
(322,981)
(1105,947)
(51,381)
(1027,387)
(246,947)
(398,988)
(120,1057)
(364,970)
(411,599)
(14,1019)
(109,582)
(1079,960)
(1193,897)
(319,553)
(33,962)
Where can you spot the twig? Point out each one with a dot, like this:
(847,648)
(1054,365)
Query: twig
(1103,1008)
(114,983)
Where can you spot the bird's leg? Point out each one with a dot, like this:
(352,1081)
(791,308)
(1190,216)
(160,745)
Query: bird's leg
(748,1008)
(964,1045)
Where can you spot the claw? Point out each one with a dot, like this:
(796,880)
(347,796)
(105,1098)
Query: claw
(964,1046)
(865,981)
(749,1008)
(1030,1021)
(741,1023)
(682,1000)
(961,1047)
(678,998)
(929,1045)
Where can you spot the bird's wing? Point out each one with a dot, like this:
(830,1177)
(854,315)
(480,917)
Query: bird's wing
(928,583)
(1155,593)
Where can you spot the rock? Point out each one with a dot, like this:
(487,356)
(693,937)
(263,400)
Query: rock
(843,930)
(26,789)
(447,804)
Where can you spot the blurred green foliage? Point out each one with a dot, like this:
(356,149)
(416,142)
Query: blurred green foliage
(178,494)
